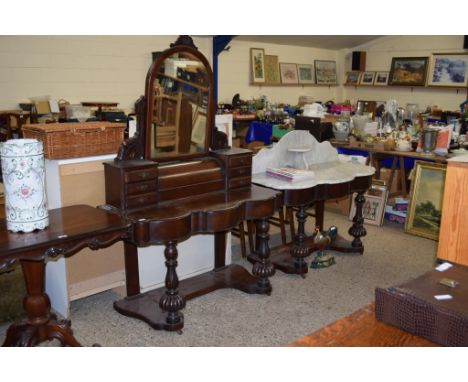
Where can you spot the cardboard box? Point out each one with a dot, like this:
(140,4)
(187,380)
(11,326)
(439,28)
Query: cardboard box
(385,175)
(339,206)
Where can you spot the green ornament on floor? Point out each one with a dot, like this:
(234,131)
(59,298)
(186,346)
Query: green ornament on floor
(323,259)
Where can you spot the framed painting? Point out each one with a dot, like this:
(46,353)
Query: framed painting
(272,74)
(257,62)
(381,78)
(199,128)
(367,78)
(352,78)
(325,72)
(288,73)
(373,209)
(305,73)
(448,70)
(426,195)
(408,71)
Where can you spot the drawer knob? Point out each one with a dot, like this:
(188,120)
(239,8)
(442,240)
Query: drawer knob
(144,175)
(141,200)
(143,187)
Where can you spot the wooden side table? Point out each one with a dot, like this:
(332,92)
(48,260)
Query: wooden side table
(21,118)
(99,106)
(70,230)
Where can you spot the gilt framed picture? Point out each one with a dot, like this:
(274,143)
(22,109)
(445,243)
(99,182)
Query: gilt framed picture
(408,71)
(305,73)
(448,70)
(288,73)
(426,195)
(352,78)
(325,72)
(257,62)
(272,74)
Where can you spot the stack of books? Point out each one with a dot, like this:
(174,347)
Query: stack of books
(290,174)
(397,213)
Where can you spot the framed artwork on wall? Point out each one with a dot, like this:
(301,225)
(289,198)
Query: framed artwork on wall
(272,74)
(448,70)
(288,73)
(381,78)
(352,78)
(257,62)
(367,78)
(325,72)
(305,73)
(426,195)
(408,71)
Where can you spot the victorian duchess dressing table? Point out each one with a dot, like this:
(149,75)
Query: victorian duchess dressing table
(176,178)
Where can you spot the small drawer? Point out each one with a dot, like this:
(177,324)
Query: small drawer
(239,182)
(240,172)
(240,160)
(141,200)
(141,187)
(140,175)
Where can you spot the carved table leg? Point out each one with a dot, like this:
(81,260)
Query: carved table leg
(40,324)
(300,250)
(357,230)
(263,268)
(172,301)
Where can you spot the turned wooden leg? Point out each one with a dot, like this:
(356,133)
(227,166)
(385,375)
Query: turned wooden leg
(171,302)
(263,268)
(357,230)
(319,213)
(40,324)
(299,250)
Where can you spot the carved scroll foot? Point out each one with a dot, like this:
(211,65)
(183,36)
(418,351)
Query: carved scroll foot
(26,334)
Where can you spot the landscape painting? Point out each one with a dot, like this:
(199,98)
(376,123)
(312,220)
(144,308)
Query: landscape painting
(448,70)
(425,206)
(408,71)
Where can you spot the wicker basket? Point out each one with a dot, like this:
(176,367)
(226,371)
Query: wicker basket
(73,140)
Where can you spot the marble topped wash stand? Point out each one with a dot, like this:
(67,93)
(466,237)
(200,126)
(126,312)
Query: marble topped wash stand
(331,179)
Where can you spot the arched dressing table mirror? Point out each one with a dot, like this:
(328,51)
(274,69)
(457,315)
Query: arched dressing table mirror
(176,177)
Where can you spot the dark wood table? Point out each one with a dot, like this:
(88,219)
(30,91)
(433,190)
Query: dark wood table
(99,105)
(70,230)
(398,158)
(21,118)
(361,329)
(174,221)
(289,258)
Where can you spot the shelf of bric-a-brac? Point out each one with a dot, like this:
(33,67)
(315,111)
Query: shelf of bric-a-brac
(456,88)
(260,84)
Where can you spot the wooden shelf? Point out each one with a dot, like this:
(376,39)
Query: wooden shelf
(286,85)
(406,86)
(204,88)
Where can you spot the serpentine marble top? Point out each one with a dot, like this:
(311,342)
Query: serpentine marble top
(322,160)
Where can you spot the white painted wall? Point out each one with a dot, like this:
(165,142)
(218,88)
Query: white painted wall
(79,68)
(234,73)
(379,57)
(113,68)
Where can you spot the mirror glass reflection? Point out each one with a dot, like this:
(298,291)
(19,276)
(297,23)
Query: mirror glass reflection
(179,109)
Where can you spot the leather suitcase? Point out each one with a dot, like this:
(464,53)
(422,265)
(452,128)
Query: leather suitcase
(413,308)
